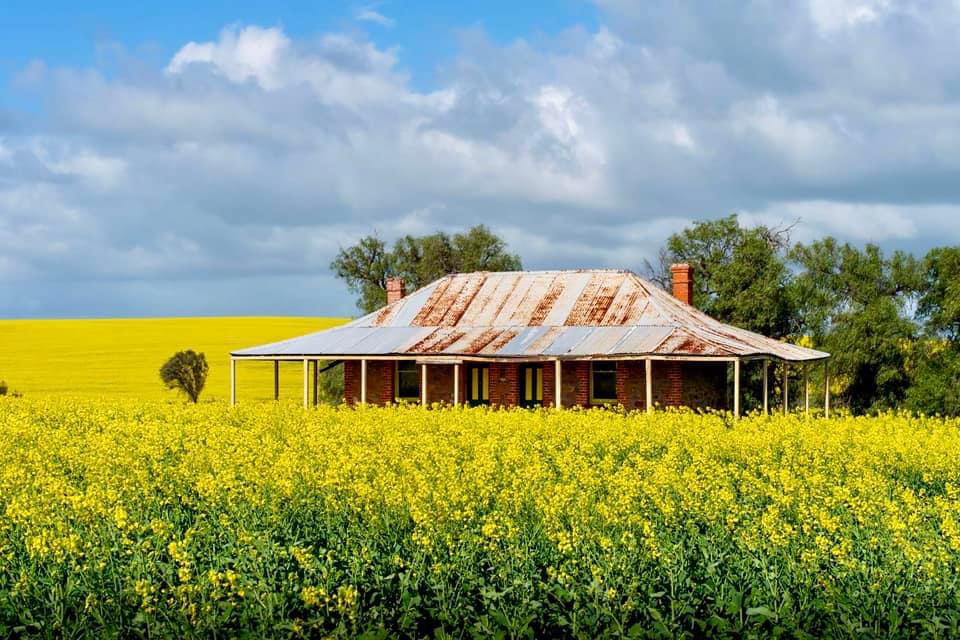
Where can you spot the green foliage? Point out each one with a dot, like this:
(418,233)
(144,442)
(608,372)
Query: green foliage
(186,371)
(854,303)
(331,382)
(419,260)
(935,378)
(935,372)
(740,273)
(939,303)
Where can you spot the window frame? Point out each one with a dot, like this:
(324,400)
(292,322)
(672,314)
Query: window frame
(483,385)
(593,398)
(396,381)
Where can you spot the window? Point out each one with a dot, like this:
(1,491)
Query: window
(478,384)
(603,382)
(407,381)
(531,385)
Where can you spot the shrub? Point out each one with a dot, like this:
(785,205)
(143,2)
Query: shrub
(186,371)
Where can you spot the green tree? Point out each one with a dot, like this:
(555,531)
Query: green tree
(740,273)
(419,260)
(935,370)
(855,304)
(186,371)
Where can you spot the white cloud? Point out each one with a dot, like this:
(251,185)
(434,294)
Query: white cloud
(253,156)
(861,221)
(833,15)
(369,14)
(240,54)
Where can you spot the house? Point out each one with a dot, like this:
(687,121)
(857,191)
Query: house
(552,338)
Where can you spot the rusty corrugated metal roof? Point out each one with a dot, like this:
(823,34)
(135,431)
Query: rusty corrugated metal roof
(583,313)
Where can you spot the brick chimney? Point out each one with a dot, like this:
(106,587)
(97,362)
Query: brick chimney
(395,289)
(682,282)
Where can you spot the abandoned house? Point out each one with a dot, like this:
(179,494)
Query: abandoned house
(550,338)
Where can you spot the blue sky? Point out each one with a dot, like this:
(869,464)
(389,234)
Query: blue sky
(62,32)
(168,159)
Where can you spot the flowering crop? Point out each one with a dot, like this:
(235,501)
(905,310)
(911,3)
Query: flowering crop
(122,358)
(140,518)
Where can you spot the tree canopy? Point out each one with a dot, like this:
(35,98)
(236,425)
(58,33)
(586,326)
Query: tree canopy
(419,260)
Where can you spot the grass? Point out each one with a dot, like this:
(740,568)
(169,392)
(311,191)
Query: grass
(122,358)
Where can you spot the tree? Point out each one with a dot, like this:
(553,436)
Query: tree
(935,365)
(854,303)
(740,273)
(186,371)
(419,260)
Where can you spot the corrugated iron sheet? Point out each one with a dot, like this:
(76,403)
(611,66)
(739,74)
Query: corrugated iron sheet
(538,314)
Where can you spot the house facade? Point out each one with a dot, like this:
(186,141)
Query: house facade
(539,338)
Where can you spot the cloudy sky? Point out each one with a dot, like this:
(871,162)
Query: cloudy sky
(166,160)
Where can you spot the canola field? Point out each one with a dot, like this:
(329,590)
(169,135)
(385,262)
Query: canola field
(122,358)
(160,519)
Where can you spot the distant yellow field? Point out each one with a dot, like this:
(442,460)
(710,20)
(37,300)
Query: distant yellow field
(122,357)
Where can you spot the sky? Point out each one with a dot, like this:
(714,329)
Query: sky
(168,159)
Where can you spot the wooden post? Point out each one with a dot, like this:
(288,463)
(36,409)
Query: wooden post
(786,388)
(648,367)
(316,382)
(233,381)
(456,384)
(363,381)
(423,387)
(736,388)
(766,387)
(306,383)
(276,379)
(826,385)
(557,387)
(806,390)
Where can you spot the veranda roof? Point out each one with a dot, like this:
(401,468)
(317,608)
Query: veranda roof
(537,314)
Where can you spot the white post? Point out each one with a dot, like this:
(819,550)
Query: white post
(736,388)
(806,390)
(306,383)
(826,385)
(233,381)
(557,386)
(456,384)
(648,366)
(423,387)
(363,381)
(786,388)
(766,387)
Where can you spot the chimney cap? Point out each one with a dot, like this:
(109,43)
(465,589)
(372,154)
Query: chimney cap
(681,266)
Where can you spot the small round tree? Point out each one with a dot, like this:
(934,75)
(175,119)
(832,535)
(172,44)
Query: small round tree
(187,371)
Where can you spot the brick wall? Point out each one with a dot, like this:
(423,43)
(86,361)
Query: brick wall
(549,384)
(693,384)
(351,381)
(705,385)
(504,384)
(440,383)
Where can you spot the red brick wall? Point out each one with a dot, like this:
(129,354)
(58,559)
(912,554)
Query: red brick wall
(582,373)
(705,384)
(351,381)
(504,384)
(693,384)
(549,384)
(440,383)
